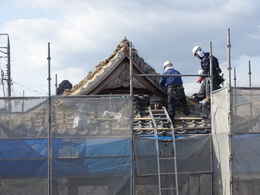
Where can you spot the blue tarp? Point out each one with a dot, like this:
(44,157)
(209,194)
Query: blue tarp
(72,157)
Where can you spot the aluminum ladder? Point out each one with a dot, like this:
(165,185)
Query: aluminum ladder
(160,117)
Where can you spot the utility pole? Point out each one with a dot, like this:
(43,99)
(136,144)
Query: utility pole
(5,59)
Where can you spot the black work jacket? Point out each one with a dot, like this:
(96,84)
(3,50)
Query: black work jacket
(205,65)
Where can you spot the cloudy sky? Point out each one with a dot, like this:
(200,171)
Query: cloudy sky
(84,32)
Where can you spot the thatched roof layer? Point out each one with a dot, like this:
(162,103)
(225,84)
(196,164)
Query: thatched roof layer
(121,52)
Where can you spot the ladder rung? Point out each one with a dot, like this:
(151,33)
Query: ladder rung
(148,119)
(142,119)
(159,110)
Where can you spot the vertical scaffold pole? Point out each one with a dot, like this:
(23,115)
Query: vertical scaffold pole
(211,113)
(235,78)
(49,125)
(9,81)
(230,109)
(250,86)
(132,182)
(56,83)
(249,74)
(211,68)
(235,89)
(131,68)
(229,58)
(23,102)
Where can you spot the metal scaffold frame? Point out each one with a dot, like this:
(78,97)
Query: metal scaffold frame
(156,129)
(230,105)
(131,76)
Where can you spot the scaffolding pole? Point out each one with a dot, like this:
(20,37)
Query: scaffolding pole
(2,82)
(9,82)
(229,58)
(235,78)
(56,83)
(235,90)
(132,182)
(50,155)
(250,86)
(23,102)
(211,68)
(131,68)
(211,102)
(230,109)
(249,74)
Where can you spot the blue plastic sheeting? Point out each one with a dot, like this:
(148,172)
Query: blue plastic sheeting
(23,149)
(73,157)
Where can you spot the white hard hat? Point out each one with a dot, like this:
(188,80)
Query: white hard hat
(167,63)
(200,72)
(195,50)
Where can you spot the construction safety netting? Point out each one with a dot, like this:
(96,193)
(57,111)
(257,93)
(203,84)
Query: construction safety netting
(85,145)
(90,146)
(193,165)
(236,138)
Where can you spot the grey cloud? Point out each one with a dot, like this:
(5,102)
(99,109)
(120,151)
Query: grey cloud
(160,30)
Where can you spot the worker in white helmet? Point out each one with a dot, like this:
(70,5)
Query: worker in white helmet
(175,90)
(205,67)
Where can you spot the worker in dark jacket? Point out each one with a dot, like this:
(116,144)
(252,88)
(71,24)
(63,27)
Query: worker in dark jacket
(205,66)
(175,90)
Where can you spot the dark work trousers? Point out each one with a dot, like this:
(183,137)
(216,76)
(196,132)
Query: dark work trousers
(176,98)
